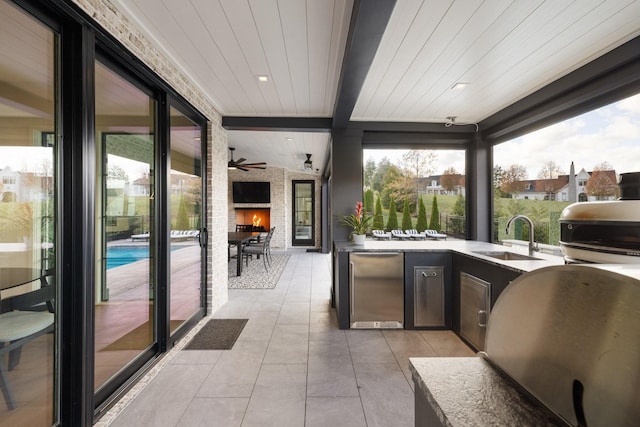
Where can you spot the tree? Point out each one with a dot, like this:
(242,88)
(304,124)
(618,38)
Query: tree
(392,221)
(368,200)
(459,212)
(602,182)
(497,180)
(406,216)
(416,164)
(513,179)
(378,220)
(378,178)
(421,224)
(182,221)
(369,173)
(117,172)
(449,179)
(550,170)
(434,222)
(392,185)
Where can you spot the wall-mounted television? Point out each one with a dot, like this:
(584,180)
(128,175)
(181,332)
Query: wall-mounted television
(251,192)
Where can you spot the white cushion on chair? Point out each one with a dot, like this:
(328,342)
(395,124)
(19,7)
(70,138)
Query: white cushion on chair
(15,325)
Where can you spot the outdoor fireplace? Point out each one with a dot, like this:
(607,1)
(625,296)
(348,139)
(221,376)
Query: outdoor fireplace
(260,218)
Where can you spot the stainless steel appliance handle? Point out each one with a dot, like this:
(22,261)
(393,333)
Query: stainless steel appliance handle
(429,274)
(482,314)
(352,302)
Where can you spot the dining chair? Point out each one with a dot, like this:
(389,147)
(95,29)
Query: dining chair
(23,318)
(240,228)
(262,248)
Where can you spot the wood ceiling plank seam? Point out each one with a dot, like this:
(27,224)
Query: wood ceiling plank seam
(234,53)
(244,28)
(441,76)
(216,23)
(197,51)
(267,20)
(450,24)
(418,34)
(503,27)
(320,17)
(532,68)
(135,13)
(404,14)
(340,29)
(294,30)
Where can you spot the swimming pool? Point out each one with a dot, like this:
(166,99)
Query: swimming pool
(122,255)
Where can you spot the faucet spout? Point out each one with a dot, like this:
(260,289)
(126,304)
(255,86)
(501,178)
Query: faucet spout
(532,247)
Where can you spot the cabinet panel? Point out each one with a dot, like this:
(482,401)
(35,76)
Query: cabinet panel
(475,295)
(428,296)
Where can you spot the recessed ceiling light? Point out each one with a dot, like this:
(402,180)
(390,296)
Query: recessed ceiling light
(263,78)
(289,139)
(459,86)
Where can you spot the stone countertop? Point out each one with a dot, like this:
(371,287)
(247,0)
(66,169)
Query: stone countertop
(468,391)
(463,247)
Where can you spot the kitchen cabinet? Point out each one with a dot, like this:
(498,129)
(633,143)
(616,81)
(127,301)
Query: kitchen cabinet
(475,295)
(427,290)
(498,277)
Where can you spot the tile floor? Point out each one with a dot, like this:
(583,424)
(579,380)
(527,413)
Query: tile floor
(291,366)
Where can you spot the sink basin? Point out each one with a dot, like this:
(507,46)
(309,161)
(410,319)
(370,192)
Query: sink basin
(506,255)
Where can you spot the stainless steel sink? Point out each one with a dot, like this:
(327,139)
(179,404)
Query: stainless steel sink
(505,255)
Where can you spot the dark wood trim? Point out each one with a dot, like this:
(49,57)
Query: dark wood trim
(368,22)
(289,124)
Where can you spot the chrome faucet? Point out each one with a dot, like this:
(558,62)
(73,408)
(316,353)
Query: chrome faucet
(532,246)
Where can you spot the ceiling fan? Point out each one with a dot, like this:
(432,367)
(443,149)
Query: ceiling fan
(239,164)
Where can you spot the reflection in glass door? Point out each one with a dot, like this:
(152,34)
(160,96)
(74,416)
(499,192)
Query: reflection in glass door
(28,213)
(303,213)
(125,285)
(185,206)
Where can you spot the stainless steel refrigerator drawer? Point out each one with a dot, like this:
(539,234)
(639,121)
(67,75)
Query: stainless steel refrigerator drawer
(376,290)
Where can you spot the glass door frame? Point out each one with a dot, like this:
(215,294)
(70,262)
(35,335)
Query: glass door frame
(303,242)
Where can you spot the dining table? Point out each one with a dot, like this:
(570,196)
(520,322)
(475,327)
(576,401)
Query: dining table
(239,239)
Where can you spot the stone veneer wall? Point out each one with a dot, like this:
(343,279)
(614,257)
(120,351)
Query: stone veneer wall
(115,23)
(280,205)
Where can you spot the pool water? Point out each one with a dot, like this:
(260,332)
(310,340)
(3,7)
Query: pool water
(122,255)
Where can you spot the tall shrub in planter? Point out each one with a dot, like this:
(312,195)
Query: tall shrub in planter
(378,220)
(421,224)
(392,222)
(434,222)
(368,201)
(406,215)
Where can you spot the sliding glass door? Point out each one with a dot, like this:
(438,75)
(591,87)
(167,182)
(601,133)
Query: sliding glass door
(186,296)
(28,219)
(303,213)
(125,283)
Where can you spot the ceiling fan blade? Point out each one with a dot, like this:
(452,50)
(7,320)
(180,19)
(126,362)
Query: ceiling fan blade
(255,164)
(255,167)
(242,168)
(240,160)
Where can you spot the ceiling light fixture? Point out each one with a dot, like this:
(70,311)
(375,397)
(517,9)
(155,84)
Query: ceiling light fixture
(459,86)
(263,78)
(308,164)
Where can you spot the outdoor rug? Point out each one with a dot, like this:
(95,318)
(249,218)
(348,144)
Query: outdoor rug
(217,334)
(137,339)
(254,276)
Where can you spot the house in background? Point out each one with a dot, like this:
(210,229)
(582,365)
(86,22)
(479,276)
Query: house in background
(559,189)
(433,185)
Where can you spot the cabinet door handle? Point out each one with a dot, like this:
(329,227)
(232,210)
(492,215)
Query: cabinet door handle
(482,318)
(352,277)
(429,274)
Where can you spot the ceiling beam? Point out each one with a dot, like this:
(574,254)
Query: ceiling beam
(280,124)
(368,22)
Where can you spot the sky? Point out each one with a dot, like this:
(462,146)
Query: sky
(610,133)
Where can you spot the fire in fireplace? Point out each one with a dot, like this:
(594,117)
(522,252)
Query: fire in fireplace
(258,217)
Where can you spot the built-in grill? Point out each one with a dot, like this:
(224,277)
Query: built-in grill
(604,232)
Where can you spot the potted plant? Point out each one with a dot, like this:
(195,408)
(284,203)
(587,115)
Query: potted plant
(359,223)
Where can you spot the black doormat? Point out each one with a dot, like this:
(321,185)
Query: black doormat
(217,334)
